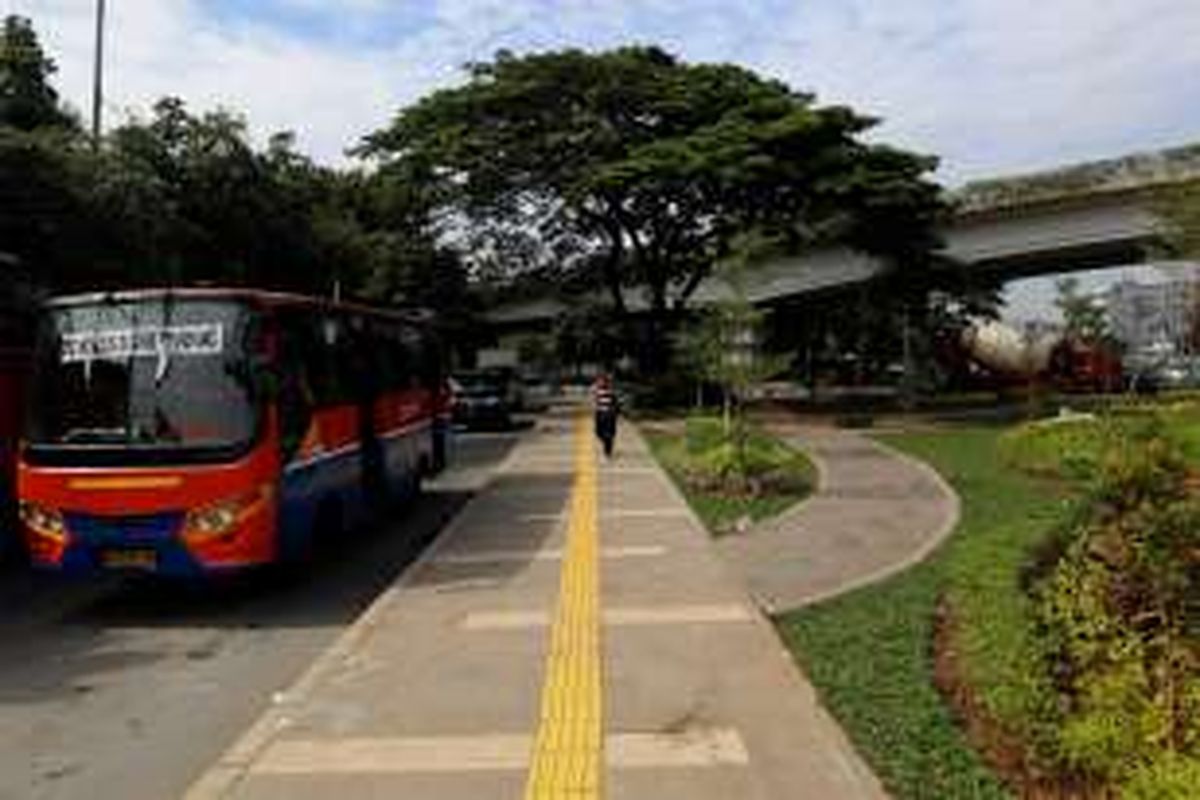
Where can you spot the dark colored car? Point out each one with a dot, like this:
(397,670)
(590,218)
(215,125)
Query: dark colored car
(480,402)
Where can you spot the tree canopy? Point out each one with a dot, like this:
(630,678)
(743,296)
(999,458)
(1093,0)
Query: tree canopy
(27,99)
(633,168)
(182,197)
(628,171)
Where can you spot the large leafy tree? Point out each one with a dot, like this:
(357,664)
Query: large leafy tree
(639,170)
(187,198)
(183,197)
(41,217)
(27,99)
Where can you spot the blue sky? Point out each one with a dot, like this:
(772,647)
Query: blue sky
(991,86)
(375,26)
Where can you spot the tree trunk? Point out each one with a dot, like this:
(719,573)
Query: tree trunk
(860,343)
(655,356)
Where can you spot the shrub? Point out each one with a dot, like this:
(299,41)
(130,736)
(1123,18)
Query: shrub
(872,653)
(1169,777)
(746,462)
(1119,611)
(705,467)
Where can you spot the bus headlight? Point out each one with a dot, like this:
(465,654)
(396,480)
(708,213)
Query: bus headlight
(47,522)
(222,518)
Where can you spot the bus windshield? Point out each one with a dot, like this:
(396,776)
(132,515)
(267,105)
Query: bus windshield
(167,377)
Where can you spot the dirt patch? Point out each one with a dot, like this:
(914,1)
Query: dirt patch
(1006,754)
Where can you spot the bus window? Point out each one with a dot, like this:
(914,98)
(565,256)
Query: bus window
(299,363)
(354,363)
(322,335)
(164,376)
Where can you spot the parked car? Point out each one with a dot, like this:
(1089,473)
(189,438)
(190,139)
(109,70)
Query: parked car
(537,393)
(1148,377)
(480,401)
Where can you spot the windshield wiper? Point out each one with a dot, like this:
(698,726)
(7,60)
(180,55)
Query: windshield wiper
(96,436)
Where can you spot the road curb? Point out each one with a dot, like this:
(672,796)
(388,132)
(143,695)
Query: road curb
(231,767)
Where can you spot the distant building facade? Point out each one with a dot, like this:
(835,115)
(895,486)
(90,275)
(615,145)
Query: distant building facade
(1155,320)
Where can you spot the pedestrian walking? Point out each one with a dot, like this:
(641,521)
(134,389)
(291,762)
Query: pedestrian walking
(604,401)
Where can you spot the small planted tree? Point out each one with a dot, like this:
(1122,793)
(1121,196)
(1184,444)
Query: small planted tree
(1085,319)
(722,348)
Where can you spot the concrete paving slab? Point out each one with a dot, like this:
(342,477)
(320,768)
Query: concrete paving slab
(377,786)
(697,698)
(715,676)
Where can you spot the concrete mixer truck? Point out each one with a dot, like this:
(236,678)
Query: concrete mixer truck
(998,356)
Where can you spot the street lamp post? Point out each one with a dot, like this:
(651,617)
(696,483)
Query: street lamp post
(98,75)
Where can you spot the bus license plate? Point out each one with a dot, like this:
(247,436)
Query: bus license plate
(129,559)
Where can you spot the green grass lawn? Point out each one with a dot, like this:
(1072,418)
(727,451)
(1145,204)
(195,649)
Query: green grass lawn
(720,511)
(870,653)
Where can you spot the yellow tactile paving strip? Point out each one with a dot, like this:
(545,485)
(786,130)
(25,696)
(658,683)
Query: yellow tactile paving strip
(568,749)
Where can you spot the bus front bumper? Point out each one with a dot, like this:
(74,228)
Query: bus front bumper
(145,544)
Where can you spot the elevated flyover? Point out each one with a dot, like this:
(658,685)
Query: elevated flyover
(1085,216)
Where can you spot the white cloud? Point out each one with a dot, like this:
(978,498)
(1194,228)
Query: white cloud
(991,85)
(168,47)
(1014,84)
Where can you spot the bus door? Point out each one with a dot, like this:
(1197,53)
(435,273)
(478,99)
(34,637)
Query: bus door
(366,387)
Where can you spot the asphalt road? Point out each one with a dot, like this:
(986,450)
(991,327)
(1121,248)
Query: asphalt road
(119,690)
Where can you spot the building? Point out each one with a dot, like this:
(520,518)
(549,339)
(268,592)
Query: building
(1155,320)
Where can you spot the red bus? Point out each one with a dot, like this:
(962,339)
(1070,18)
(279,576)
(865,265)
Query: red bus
(189,432)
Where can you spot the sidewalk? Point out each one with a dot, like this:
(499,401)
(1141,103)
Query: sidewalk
(875,513)
(572,634)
